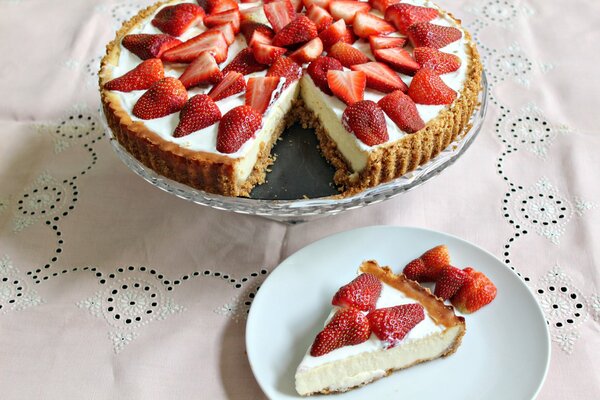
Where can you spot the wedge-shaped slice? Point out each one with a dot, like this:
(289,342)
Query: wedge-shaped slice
(347,9)
(438,335)
(211,41)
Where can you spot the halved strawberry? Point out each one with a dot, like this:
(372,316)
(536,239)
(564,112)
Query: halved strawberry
(309,52)
(244,63)
(385,42)
(265,53)
(347,54)
(259,92)
(402,110)
(320,17)
(348,86)
(317,70)
(219,6)
(237,126)
(477,291)
(333,34)
(321,3)
(176,19)
(391,324)
(254,14)
(347,327)
(198,113)
(424,34)
(300,30)
(229,16)
(232,83)
(414,270)
(139,78)
(145,45)
(404,15)
(298,5)
(249,27)
(382,5)
(203,69)
(381,77)
(228,32)
(164,97)
(259,37)
(285,67)
(361,293)
(450,281)
(366,24)
(397,58)
(346,9)
(211,41)
(349,36)
(440,62)
(366,121)
(435,259)
(279,14)
(428,88)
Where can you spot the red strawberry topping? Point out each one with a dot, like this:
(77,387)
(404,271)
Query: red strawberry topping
(324,4)
(199,112)
(347,327)
(230,16)
(347,9)
(211,41)
(232,83)
(347,54)
(236,127)
(145,45)
(450,281)
(265,53)
(362,293)
(259,92)
(163,98)
(139,78)
(317,70)
(309,52)
(203,69)
(228,32)
(366,121)
(333,34)
(382,5)
(348,86)
(429,266)
(403,111)
(249,27)
(428,88)
(414,270)
(279,14)
(476,292)
(284,67)
(381,77)
(441,63)
(366,24)
(176,19)
(300,30)
(259,37)
(319,16)
(254,14)
(404,15)
(385,42)
(244,63)
(424,34)
(397,58)
(391,324)
(219,6)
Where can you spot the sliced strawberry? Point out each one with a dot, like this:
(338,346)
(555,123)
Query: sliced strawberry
(366,121)
(228,32)
(320,17)
(402,110)
(428,88)
(424,34)
(414,270)
(145,45)
(382,5)
(211,41)
(381,77)
(366,24)
(397,58)
(259,92)
(346,9)
(349,36)
(317,70)
(244,63)
(404,15)
(439,62)
(300,30)
(347,327)
(347,54)
(298,5)
(309,52)
(198,113)
(236,127)
(348,86)
(279,14)
(229,16)
(259,37)
(385,42)
(450,281)
(163,98)
(391,324)
(177,19)
(435,260)
(203,69)
(232,83)
(477,291)
(362,293)
(254,14)
(265,53)
(219,6)
(285,67)
(333,34)
(248,28)
(139,78)
(324,4)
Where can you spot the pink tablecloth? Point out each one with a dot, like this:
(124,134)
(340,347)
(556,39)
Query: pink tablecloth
(83,239)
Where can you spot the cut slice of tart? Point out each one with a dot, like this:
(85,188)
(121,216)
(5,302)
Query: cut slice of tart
(436,332)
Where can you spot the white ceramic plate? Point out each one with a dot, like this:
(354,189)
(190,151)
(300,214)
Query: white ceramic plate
(504,355)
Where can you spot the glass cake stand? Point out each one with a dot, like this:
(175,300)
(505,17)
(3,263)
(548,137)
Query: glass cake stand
(303,209)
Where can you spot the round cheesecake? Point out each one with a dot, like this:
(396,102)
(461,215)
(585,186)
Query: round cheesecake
(229,155)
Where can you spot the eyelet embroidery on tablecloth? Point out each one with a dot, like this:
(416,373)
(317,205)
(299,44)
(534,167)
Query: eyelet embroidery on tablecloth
(238,307)
(15,294)
(499,12)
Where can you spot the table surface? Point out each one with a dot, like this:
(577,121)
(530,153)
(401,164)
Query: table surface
(111,288)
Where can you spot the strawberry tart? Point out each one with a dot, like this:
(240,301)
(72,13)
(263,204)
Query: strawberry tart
(200,91)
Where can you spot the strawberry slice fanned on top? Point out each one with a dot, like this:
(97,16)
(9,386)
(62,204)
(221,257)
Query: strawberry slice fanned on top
(266,53)
(212,42)
(146,45)
(177,19)
(139,78)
